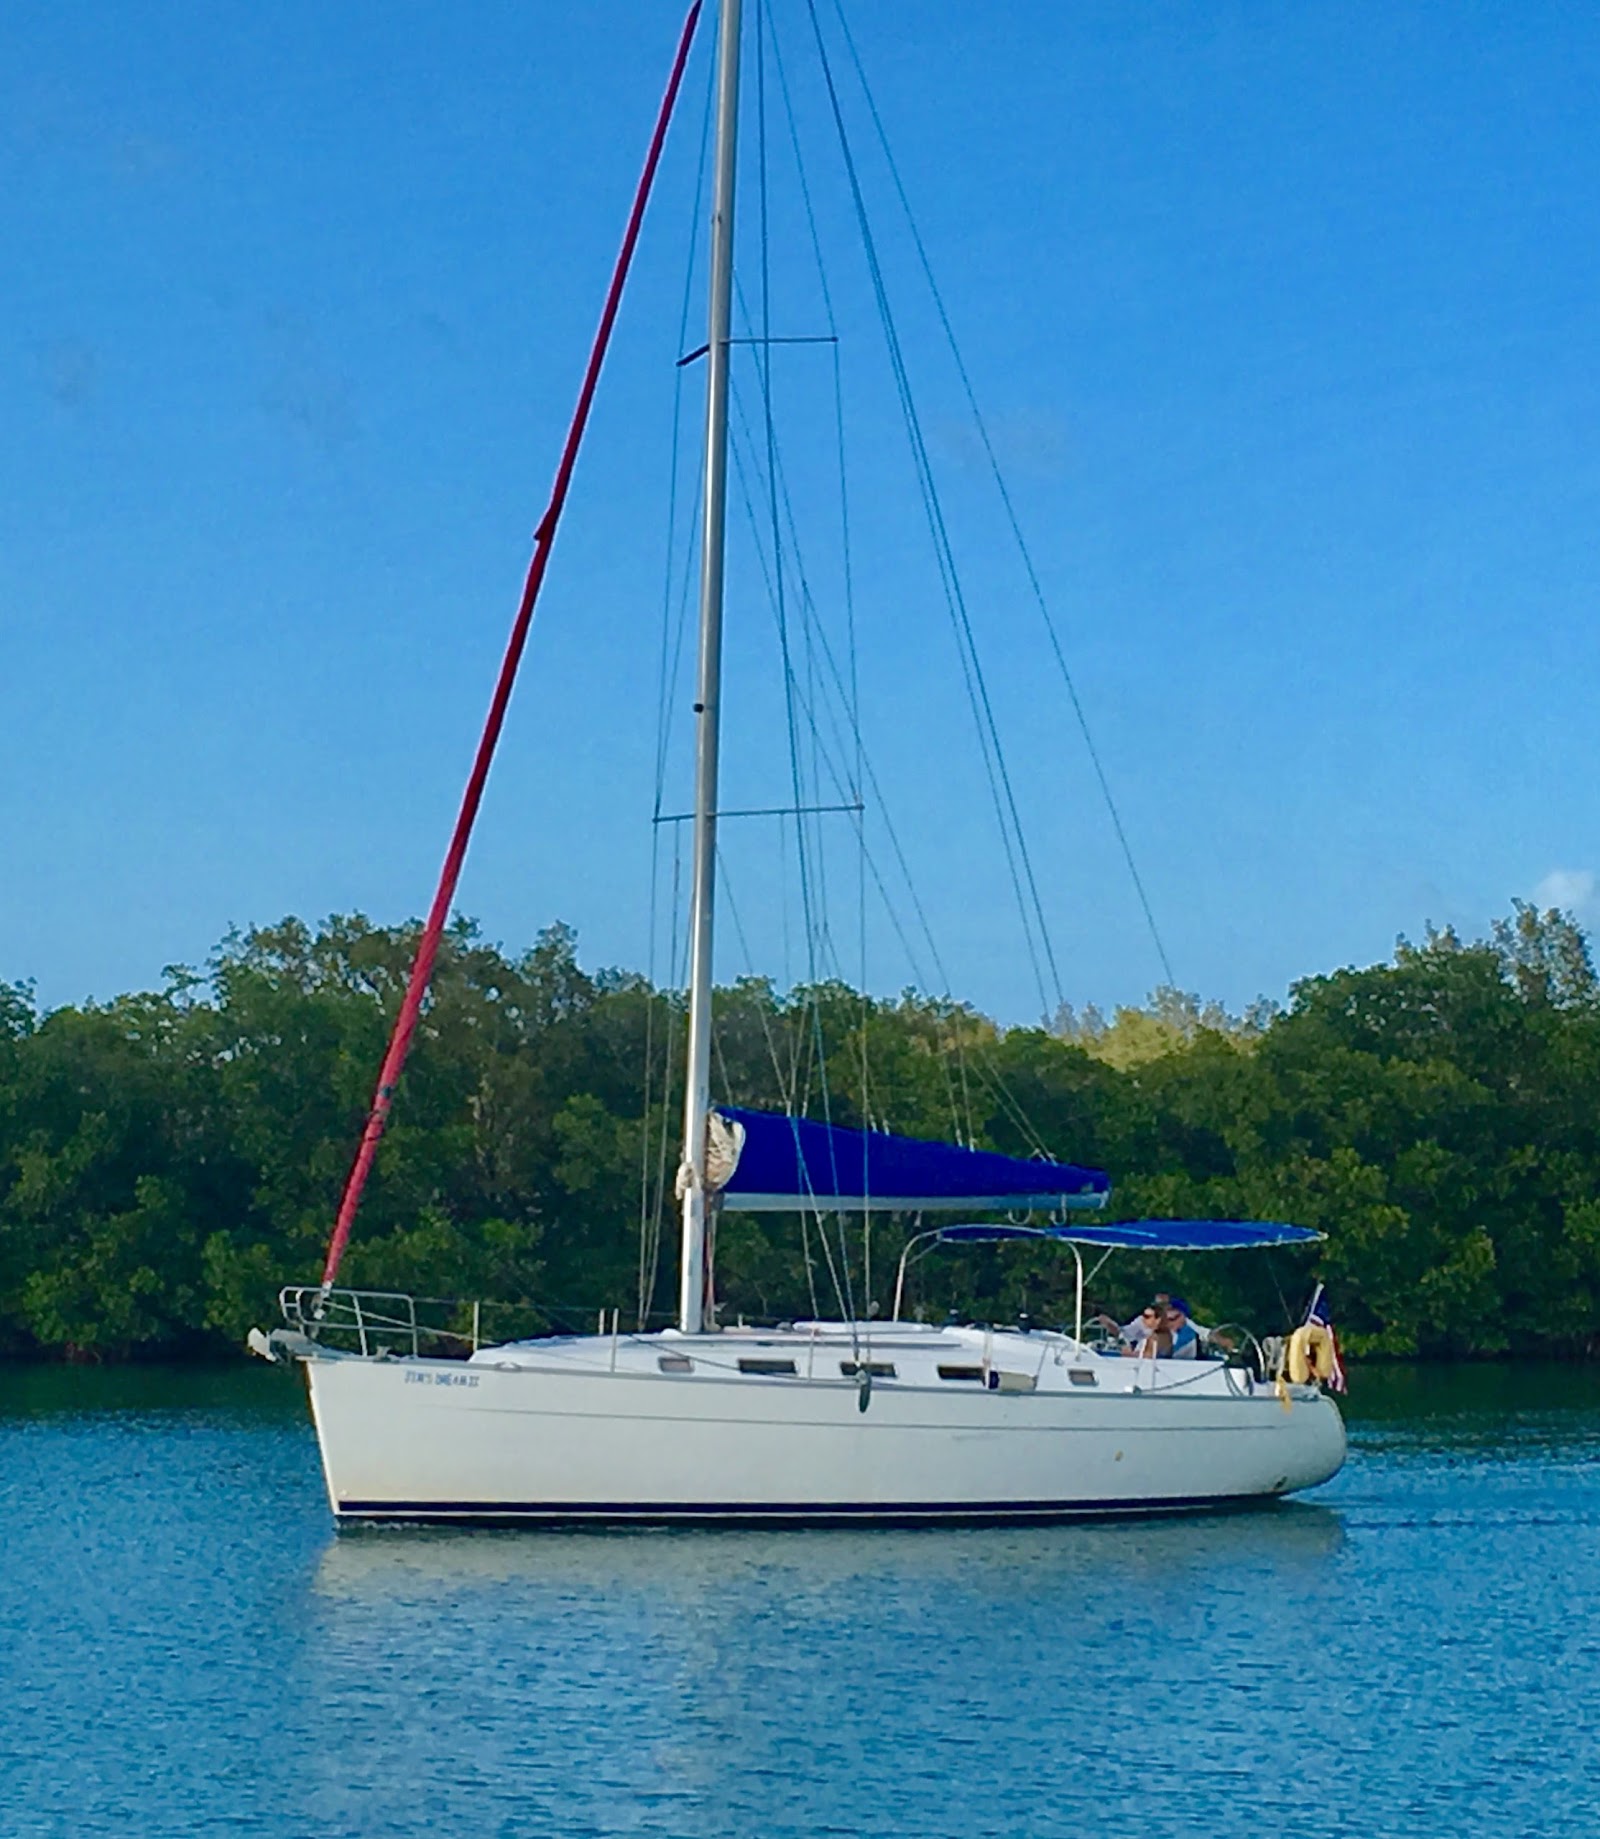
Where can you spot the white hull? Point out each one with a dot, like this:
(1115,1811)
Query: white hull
(582,1431)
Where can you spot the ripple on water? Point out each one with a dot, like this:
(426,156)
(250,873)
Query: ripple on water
(191,1651)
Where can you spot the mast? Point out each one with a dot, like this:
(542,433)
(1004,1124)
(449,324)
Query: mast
(697,1098)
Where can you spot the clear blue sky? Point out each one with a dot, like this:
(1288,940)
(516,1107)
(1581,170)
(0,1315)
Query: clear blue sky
(1284,318)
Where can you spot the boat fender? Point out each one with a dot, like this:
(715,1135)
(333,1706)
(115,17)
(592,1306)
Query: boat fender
(1310,1354)
(863,1385)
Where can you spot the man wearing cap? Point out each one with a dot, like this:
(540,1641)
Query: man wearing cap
(1185,1337)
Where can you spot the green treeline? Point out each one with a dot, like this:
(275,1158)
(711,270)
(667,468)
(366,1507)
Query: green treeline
(169,1159)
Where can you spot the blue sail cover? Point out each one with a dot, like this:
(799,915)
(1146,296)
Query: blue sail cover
(1144,1235)
(789,1163)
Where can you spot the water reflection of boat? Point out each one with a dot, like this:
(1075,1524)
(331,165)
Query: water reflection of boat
(843,1420)
(397,1565)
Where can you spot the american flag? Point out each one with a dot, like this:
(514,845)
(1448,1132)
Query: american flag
(1317,1317)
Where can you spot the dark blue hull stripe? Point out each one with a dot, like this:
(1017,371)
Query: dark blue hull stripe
(743,1513)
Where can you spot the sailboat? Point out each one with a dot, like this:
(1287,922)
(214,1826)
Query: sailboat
(813,1422)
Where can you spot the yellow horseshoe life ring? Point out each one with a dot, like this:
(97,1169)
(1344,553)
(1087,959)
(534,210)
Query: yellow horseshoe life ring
(1310,1354)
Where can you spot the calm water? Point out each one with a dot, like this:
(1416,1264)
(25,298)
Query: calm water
(185,1647)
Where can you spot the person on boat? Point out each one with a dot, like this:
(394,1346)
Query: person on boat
(1184,1336)
(1147,1325)
(1146,1336)
(1213,1342)
(1133,1334)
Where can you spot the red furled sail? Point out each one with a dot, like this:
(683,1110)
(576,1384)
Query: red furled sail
(544,536)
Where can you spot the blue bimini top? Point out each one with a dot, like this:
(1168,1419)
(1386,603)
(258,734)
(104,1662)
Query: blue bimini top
(1143,1235)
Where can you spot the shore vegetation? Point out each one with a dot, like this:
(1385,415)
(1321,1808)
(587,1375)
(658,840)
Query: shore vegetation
(169,1158)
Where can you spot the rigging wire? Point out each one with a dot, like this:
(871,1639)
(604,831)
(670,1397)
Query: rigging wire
(670,662)
(815,639)
(848,581)
(1079,712)
(841,1286)
(815,635)
(850,786)
(796,768)
(987,1069)
(852,789)
(818,750)
(961,1101)
(1018,860)
(677,974)
(809,621)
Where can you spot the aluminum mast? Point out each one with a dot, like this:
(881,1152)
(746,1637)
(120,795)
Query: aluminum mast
(697,1099)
